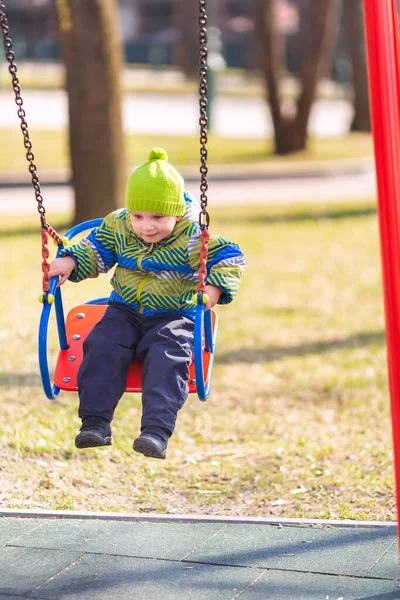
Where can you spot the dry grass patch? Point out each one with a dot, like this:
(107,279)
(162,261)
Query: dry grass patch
(298,421)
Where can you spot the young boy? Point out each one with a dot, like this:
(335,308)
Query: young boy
(155,243)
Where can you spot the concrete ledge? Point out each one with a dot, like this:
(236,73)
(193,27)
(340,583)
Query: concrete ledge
(234,172)
(172,518)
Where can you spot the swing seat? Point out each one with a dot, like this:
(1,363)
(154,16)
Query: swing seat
(80,321)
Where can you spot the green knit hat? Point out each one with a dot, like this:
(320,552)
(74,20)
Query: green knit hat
(156,187)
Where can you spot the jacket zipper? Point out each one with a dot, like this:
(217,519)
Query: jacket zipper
(141,284)
(138,293)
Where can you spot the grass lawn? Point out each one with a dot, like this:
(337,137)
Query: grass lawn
(51,150)
(298,421)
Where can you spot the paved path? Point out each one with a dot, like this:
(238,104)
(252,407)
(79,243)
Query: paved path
(70,557)
(250,189)
(166,114)
(177,114)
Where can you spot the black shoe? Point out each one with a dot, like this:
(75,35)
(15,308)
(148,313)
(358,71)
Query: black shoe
(94,432)
(151,444)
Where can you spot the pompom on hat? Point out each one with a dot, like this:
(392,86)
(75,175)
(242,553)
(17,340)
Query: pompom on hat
(156,187)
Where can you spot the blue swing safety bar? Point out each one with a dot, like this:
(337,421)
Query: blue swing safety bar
(51,390)
(203,323)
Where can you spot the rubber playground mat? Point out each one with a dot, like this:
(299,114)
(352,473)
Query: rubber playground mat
(97,556)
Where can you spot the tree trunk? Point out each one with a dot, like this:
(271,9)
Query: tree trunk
(185,53)
(318,25)
(93,58)
(353,13)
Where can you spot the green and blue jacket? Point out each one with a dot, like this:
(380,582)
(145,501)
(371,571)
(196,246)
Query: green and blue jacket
(161,277)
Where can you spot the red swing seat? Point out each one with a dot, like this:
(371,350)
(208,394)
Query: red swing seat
(80,321)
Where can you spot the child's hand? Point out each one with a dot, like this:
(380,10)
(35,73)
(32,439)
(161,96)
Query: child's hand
(214,294)
(62,266)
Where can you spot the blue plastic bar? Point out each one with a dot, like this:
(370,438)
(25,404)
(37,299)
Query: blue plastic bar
(202,390)
(62,334)
(43,364)
(51,390)
(208,333)
(98,301)
(82,227)
(203,323)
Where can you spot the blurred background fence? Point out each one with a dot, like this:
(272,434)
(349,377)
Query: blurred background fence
(159,33)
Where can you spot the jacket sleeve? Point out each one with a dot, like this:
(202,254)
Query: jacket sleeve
(225,265)
(96,253)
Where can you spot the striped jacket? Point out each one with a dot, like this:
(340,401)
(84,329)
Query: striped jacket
(161,277)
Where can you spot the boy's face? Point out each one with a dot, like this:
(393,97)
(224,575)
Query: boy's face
(152,227)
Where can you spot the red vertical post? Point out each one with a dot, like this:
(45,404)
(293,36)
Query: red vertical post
(382,52)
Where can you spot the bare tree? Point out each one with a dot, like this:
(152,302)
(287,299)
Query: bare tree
(186,20)
(353,20)
(93,58)
(318,23)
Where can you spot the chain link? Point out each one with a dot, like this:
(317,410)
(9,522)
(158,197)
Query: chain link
(10,56)
(204,217)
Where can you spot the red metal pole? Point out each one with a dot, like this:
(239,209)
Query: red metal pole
(395,26)
(383,52)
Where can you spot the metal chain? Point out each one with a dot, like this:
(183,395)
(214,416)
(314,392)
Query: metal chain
(10,56)
(204,217)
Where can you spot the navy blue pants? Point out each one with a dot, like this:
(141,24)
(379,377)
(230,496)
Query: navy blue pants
(164,343)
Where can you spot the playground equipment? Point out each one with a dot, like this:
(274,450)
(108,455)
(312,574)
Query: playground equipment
(80,320)
(382,30)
